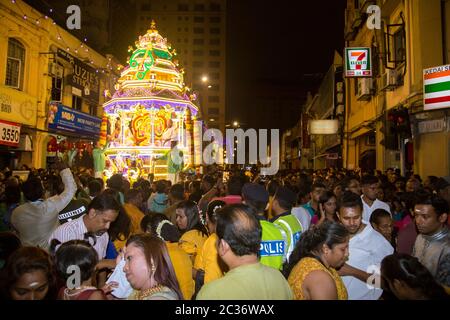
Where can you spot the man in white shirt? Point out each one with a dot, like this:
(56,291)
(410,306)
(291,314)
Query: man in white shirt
(370,185)
(36,219)
(367,248)
(92,226)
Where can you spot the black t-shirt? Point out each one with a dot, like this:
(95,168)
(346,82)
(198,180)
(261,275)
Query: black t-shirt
(75,209)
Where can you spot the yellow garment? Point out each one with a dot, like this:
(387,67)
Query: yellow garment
(192,242)
(305,267)
(208,260)
(136,216)
(183,269)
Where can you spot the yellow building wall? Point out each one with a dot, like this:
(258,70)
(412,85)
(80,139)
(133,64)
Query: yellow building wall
(423,50)
(39,39)
(430,156)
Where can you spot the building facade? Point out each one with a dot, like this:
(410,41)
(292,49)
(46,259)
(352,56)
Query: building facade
(386,123)
(197,30)
(52,86)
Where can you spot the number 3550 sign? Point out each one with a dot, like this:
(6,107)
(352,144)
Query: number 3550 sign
(9,133)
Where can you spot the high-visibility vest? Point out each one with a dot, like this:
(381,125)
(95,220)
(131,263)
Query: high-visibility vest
(273,245)
(292,228)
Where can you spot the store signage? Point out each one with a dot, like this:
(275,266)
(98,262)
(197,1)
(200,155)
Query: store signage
(436,87)
(83,77)
(430,126)
(9,133)
(358,62)
(323,126)
(17,106)
(67,120)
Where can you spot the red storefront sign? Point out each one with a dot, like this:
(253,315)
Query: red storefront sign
(9,133)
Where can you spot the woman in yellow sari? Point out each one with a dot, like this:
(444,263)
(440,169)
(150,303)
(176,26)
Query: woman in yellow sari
(311,270)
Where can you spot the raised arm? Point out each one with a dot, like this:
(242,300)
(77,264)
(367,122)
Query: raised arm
(60,201)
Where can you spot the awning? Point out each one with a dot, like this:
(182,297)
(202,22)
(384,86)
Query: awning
(359,132)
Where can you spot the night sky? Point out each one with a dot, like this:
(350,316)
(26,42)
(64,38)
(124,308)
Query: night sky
(276,52)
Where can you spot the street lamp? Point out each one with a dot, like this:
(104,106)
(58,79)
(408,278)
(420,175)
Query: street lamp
(235,124)
(205,79)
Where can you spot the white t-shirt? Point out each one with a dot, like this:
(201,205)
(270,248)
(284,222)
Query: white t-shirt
(366,250)
(303,217)
(367,211)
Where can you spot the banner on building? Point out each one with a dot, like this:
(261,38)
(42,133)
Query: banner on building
(9,133)
(323,126)
(358,62)
(436,87)
(82,77)
(67,120)
(17,106)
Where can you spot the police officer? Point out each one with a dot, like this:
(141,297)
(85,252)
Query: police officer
(282,204)
(273,244)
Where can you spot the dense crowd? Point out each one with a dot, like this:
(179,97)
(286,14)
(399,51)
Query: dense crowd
(301,234)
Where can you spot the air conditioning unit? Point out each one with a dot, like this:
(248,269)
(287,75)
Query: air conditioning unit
(339,86)
(364,89)
(389,80)
(56,70)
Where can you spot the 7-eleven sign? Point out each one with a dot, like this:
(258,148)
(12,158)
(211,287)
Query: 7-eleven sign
(358,62)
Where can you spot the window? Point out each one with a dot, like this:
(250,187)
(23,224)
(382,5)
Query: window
(214,19)
(185,18)
(180,18)
(199,19)
(214,41)
(215,76)
(183,7)
(214,7)
(186,40)
(399,46)
(214,87)
(57,83)
(199,7)
(199,41)
(93,109)
(146,7)
(199,30)
(213,111)
(186,29)
(214,53)
(56,89)
(212,99)
(375,60)
(197,64)
(15,64)
(214,30)
(197,53)
(214,64)
(76,102)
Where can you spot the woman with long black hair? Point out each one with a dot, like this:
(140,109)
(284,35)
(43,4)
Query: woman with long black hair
(311,268)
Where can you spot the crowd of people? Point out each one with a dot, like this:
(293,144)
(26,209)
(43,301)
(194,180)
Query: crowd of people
(300,234)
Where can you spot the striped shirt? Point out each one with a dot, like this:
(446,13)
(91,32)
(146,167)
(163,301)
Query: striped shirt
(75,230)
